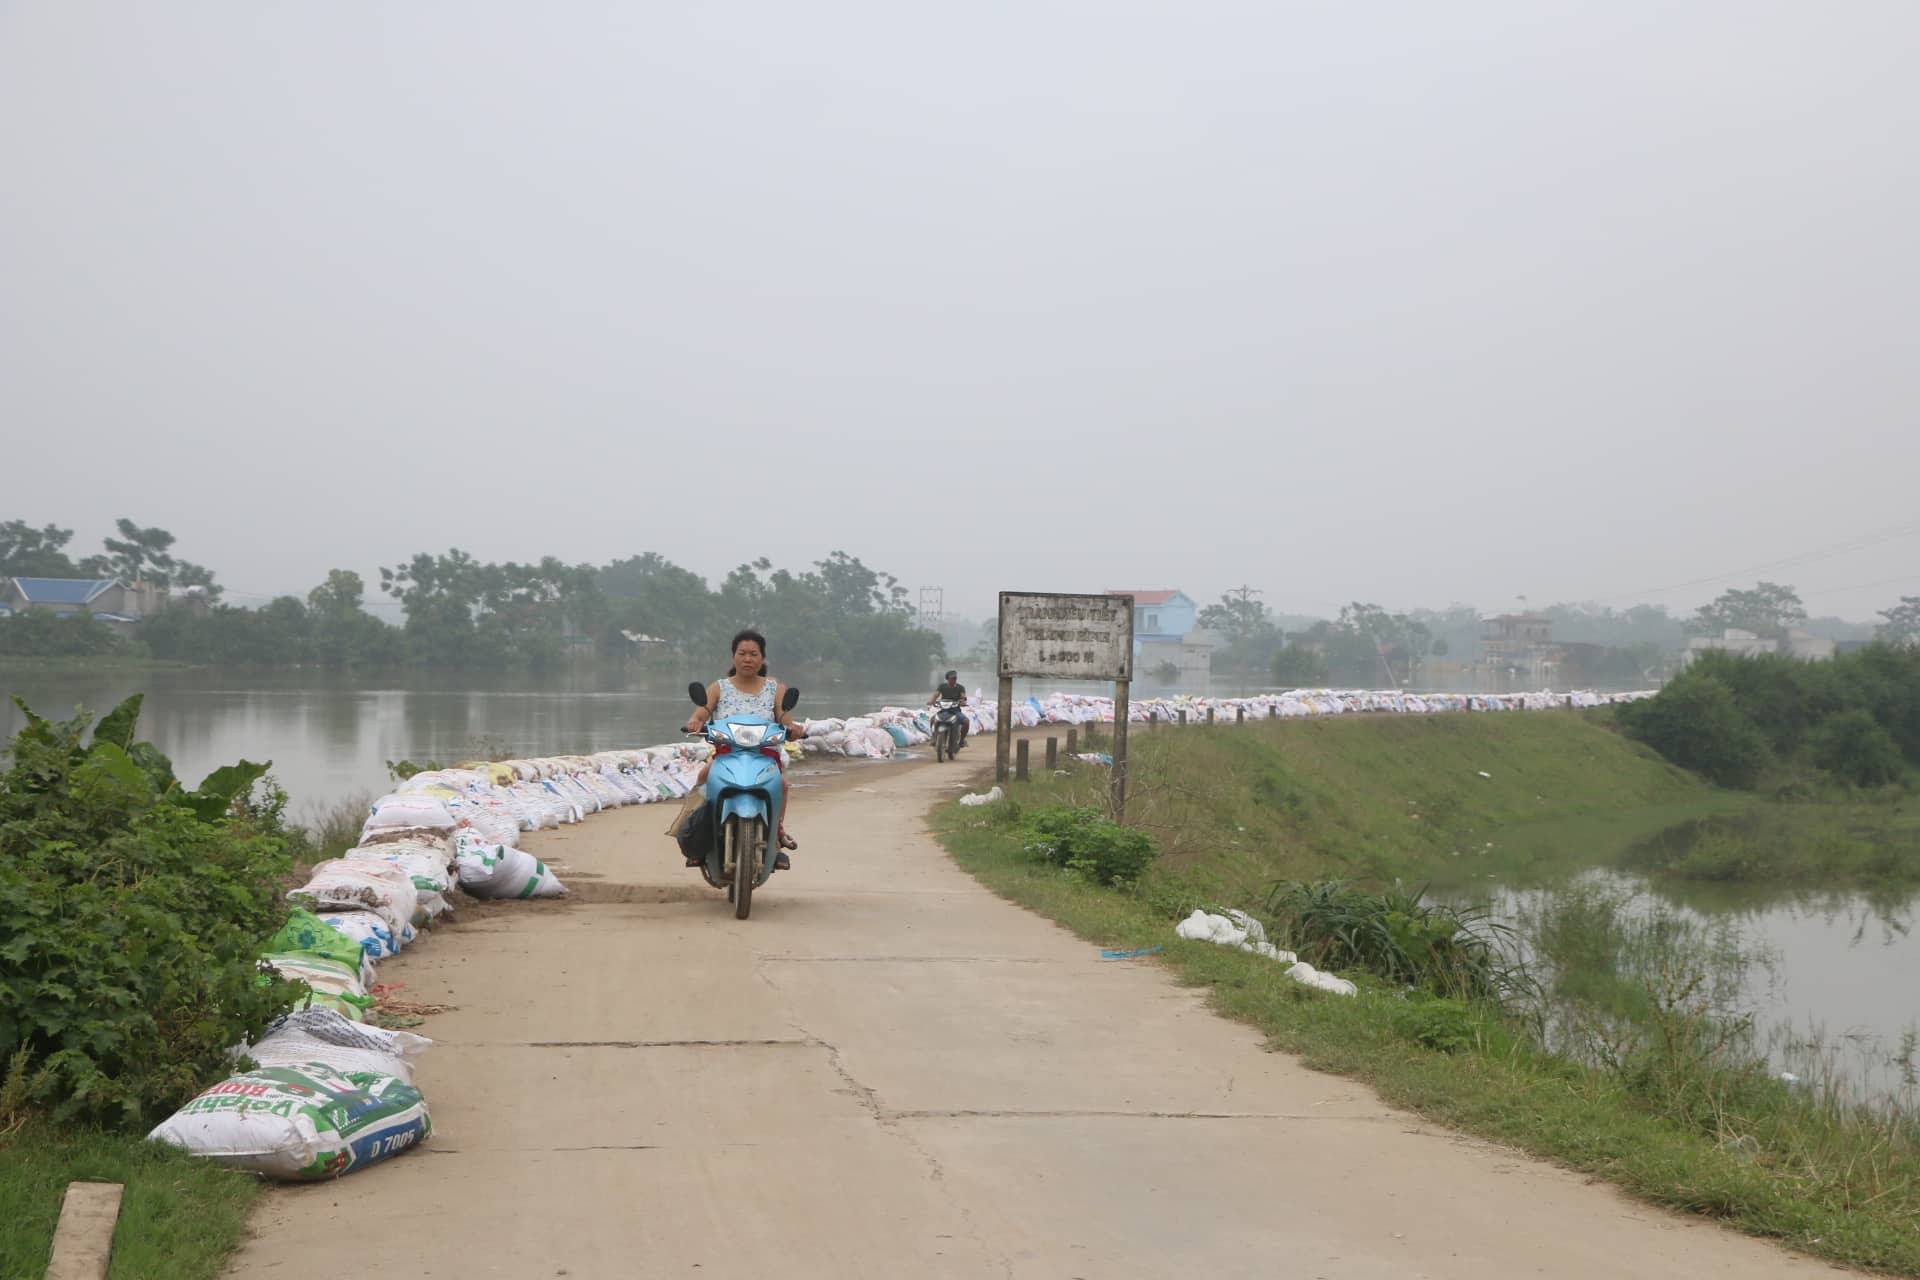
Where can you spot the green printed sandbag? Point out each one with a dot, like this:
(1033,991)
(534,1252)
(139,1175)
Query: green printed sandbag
(304,931)
(331,984)
(899,735)
(300,1123)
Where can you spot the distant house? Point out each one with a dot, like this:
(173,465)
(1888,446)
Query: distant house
(107,599)
(1795,643)
(1520,643)
(1165,633)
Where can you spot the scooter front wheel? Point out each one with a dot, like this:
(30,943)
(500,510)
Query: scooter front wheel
(749,837)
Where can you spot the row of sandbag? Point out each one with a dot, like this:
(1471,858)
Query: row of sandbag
(880,734)
(329,1093)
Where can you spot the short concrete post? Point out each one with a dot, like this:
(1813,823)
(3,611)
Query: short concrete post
(1073,738)
(1020,757)
(83,1238)
(1239,715)
(1053,753)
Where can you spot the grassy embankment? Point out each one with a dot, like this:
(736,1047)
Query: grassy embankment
(180,1218)
(1685,1117)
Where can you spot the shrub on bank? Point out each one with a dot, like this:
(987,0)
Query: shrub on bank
(1855,717)
(1853,747)
(1696,723)
(131,911)
(1086,841)
(1395,934)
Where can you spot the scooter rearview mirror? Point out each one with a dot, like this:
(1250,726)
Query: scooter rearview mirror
(789,702)
(698,692)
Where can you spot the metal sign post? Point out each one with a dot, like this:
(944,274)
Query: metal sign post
(1067,637)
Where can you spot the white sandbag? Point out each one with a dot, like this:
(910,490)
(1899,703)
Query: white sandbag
(495,820)
(379,887)
(409,812)
(349,1047)
(1307,975)
(367,929)
(1236,929)
(427,869)
(300,1123)
(502,871)
(994,796)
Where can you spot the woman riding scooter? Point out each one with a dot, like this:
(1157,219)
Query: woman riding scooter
(747,690)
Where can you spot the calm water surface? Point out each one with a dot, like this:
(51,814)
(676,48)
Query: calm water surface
(330,736)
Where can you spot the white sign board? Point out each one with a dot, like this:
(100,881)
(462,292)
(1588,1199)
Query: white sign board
(1066,637)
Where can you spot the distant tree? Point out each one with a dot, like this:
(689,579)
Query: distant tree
(340,632)
(1298,667)
(1249,631)
(650,595)
(188,574)
(1768,609)
(1372,644)
(1902,626)
(139,555)
(27,552)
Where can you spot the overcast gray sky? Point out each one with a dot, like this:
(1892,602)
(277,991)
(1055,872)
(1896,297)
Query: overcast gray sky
(1406,302)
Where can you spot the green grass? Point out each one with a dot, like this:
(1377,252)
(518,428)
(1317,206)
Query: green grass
(1377,799)
(333,829)
(1866,843)
(1305,801)
(180,1218)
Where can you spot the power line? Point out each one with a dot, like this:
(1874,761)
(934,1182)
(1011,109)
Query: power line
(1856,542)
(1863,586)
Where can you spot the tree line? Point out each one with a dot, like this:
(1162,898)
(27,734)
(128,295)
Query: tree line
(1367,644)
(462,612)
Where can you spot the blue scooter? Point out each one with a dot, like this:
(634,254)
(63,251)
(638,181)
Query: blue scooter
(745,796)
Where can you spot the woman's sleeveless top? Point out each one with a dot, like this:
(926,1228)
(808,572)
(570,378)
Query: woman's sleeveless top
(735,703)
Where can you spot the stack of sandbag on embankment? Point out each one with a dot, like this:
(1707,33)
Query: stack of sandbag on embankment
(330,1093)
(857,737)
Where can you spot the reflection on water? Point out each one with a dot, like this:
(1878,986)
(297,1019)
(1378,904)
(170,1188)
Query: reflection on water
(1827,976)
(330,736)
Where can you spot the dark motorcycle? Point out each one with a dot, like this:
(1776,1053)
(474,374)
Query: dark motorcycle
(949,729)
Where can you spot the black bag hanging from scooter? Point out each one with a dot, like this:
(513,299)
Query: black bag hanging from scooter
(695,831)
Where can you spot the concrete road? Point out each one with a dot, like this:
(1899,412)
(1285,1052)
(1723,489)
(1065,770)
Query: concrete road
(889,1072)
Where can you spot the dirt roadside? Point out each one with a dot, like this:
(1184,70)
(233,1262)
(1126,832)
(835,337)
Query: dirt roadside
(889,1072)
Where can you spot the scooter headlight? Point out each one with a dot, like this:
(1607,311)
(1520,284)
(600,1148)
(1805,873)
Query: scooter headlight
(748,735)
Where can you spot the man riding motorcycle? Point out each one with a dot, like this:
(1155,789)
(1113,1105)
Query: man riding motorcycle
(951,690)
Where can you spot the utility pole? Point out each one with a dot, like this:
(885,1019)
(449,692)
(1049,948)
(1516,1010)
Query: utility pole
(1245,593)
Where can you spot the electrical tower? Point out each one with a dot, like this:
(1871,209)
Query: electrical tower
(933,602)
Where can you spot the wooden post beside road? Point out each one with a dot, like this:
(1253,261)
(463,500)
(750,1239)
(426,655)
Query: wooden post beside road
(1073,738)
(1239,715)
(1120,750)
(1053,753)
(1003,730)
(1183,717)
(1209,715)
(1020,761)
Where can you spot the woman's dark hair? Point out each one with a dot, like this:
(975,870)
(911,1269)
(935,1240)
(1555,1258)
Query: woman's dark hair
(757,638)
